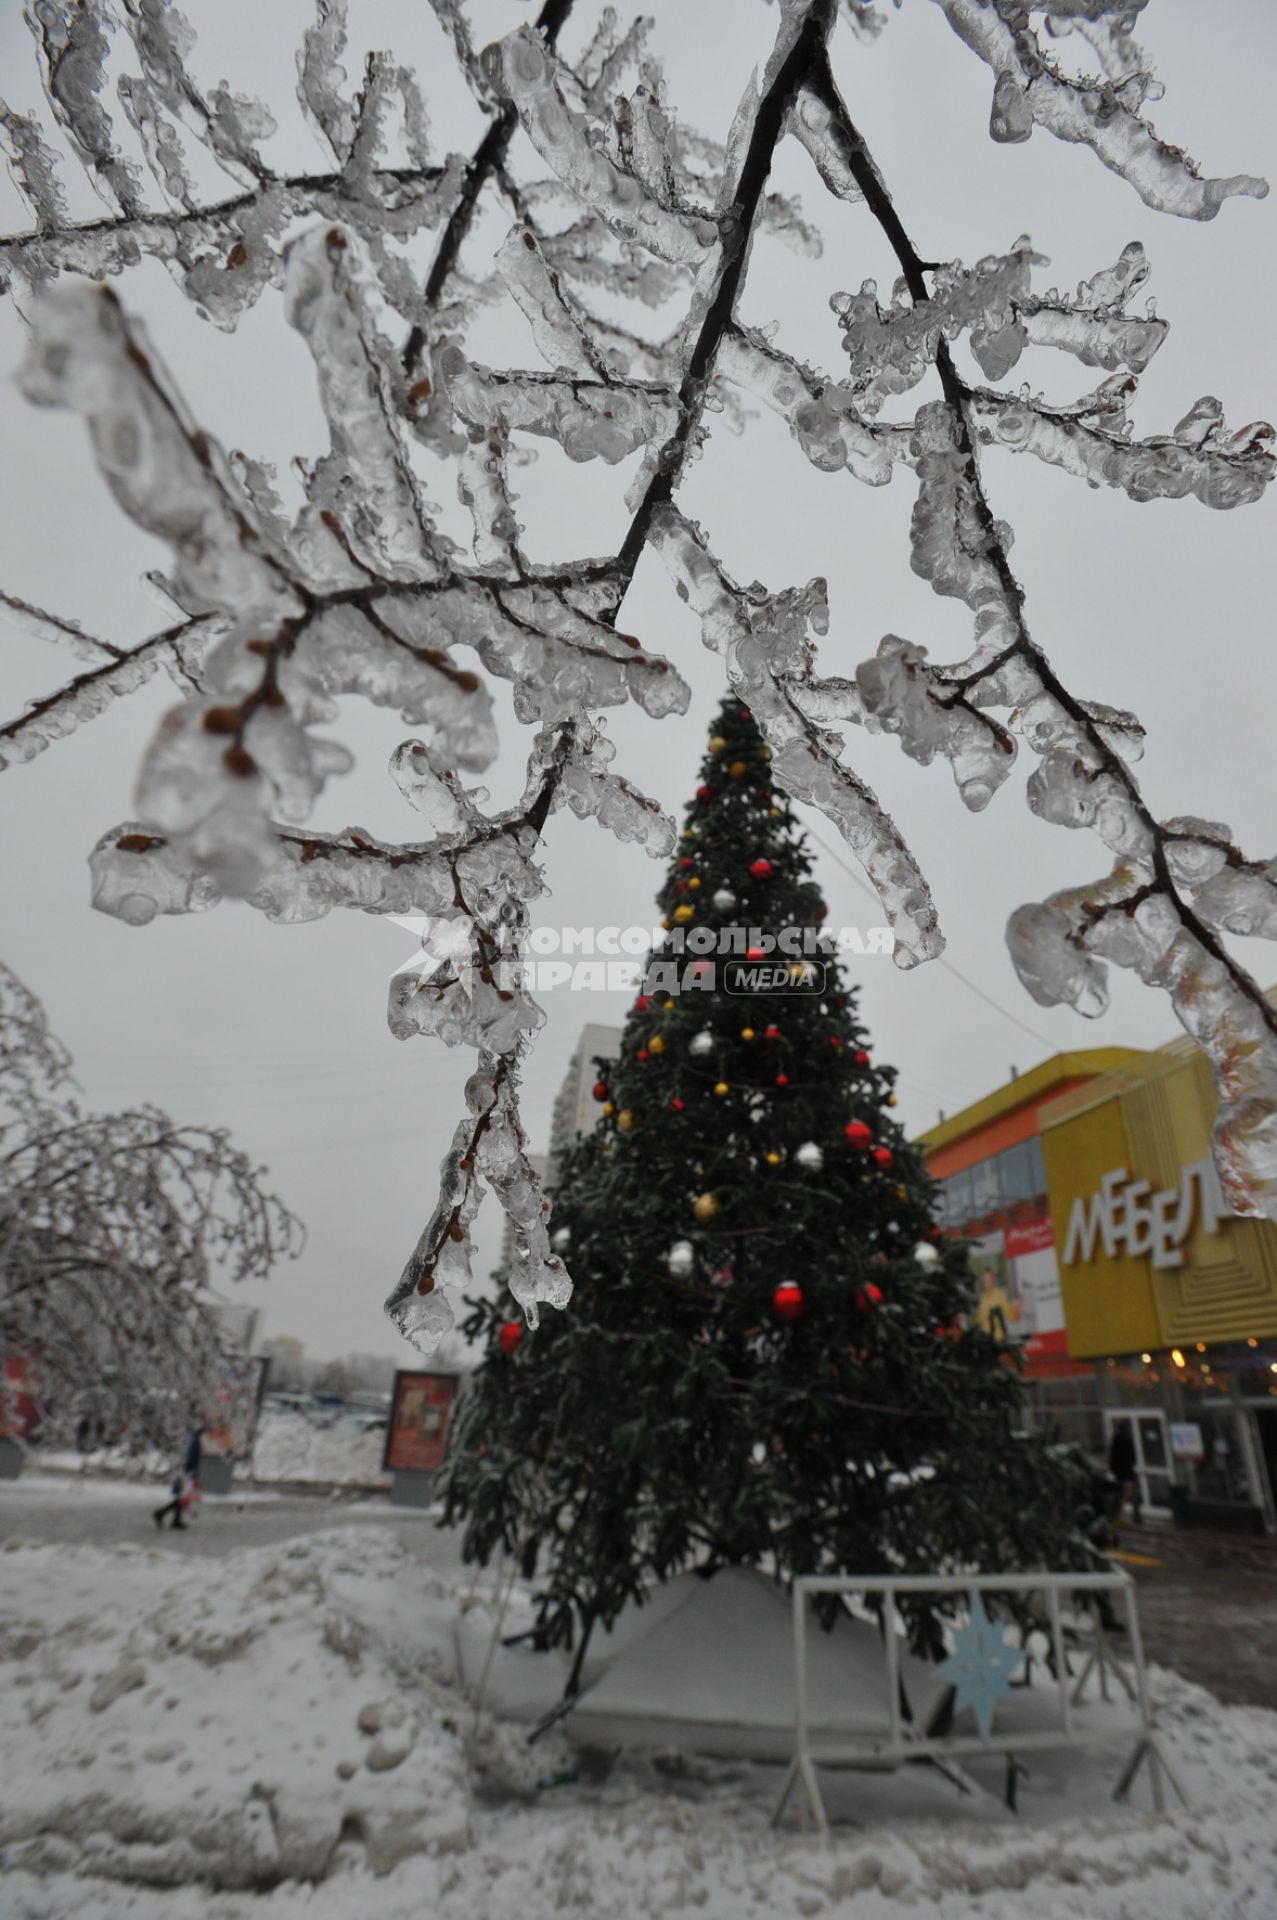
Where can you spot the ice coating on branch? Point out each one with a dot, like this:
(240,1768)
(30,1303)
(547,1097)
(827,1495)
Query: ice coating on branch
(560,333)
(764,641)
(33,166)
(1094,326)
(136,875)
(84,354)
(952,548)
(74,43)
(437,795)
(892,347)
(490,1143)
(903,695)
(321,78)
(160,144)
(561,136)
(1030,90)
(823,415)
(367,479)
(591,420)
(1092,438)
(812,124)
(1059,948)
(589,787)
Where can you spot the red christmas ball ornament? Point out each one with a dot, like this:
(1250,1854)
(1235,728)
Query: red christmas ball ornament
(787,1301)
(509,1336)
(835,1041)
(857,1134)
(935,1233)
(642,1004)
(883,1157)
(701,969)
(860,1057)
(676,1105)
(685,862)
(755,953)
(744,713)
(704,793)
(760,869)
(873,1293)
(782,1079)
(599,1089)
(771,1033)
(641,1054)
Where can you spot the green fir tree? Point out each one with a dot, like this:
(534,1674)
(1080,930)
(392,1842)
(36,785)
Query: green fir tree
(766,1359)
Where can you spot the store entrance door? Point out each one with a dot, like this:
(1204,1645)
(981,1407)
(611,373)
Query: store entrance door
(1152,1453)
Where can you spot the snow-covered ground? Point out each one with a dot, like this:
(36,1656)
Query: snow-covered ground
(288,1719)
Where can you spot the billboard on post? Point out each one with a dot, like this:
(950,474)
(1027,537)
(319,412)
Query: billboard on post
(417,1432)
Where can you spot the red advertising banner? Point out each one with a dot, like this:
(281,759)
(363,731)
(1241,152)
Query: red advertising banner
(417,1436)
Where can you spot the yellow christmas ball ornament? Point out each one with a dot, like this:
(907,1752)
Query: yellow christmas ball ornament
(721,1087)
(665,921)
(693,884)
(773,1159)
(902,1193)
(705,1206)
(890,1100)
(682,915)
(625,1119)
(656,1044)
(747,1033)
(736,769)
(689,833)
(608,1109)
(774,812)
(717,743)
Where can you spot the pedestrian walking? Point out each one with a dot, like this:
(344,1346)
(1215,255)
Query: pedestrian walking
(186,1483)
(1122,1467)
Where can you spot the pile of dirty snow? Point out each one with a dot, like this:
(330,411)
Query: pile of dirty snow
(293,1446)
(279,1734)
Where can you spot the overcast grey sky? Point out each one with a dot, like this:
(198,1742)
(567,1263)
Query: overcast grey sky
(280,1033)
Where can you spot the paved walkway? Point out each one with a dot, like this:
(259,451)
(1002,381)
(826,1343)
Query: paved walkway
(65,1508)
(1208,1607)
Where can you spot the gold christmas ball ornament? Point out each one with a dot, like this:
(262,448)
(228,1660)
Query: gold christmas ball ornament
(890,1100)
(625,1120)
(902,1193)
(717,743)
(656,1044)
(736,769)
(693,884)
(747,1033)
(773,1159)
(774,812)
(705,1206)
(665,921)
(682,915)
(608,1109)
(721,1087)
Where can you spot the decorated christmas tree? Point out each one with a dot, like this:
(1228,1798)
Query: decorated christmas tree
(767,1358)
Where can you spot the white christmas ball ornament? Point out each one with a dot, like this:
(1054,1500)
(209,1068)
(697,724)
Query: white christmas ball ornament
(681,1260)
(723,901)
(926,1255)
(702,1043)
(810,1156)
(561,1239)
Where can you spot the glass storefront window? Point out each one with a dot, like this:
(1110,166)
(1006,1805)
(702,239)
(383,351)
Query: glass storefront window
(986,1188)
(958,1189)
(1016,1172)
(1037,1169)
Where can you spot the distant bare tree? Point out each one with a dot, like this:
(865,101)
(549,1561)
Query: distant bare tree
(114,1231)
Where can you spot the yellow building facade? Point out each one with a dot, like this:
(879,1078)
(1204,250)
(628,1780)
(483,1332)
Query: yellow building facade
(1165,1301)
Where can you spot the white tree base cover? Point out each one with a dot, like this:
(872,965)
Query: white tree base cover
(271,617)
